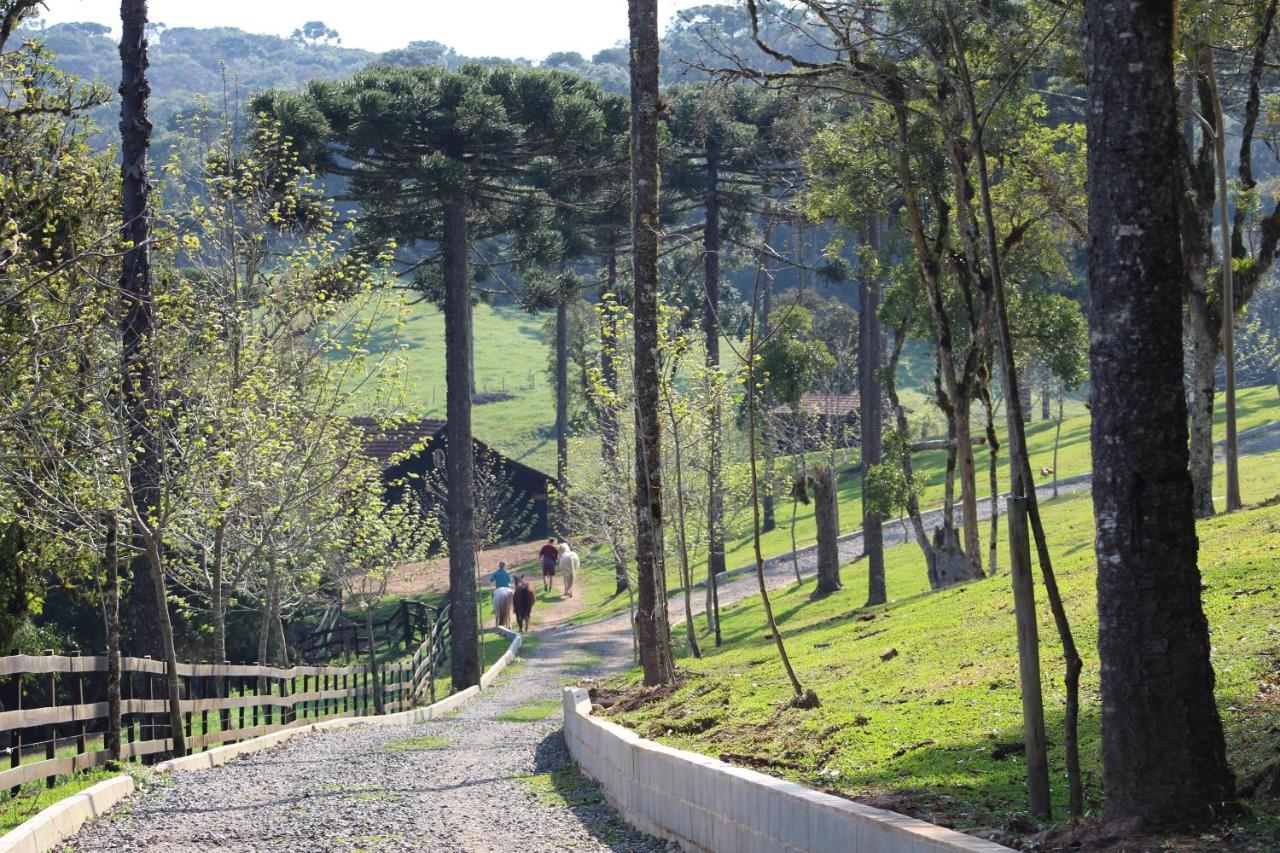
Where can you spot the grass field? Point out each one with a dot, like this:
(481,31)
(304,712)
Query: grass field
(920,695)
(511,358)
(1256,407)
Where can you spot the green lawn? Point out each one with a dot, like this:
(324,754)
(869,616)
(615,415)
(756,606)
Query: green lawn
(919,694)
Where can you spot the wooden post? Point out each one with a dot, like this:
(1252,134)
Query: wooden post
(15,756)
(51,731)
(205,693)
(224,693)
(256,707)
(81,738)
(406,624)
(1024,603)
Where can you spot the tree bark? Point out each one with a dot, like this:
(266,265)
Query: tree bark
(1164,759)
(138,376)
(610,429)
(111,616)
(172,683)
(651,621)
(218,603)
(562,393)
(1201,377)
(464,661)
(871,412)
(824,513)
(711,336)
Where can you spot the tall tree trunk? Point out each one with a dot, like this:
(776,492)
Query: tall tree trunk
(871,412)
(802,698)
(1232,456)
(770,520)
(464,632)
(967,471)
(825,511)
(374,670)
(111,616)
(1024,393)
(138,379)
(562,393)
(277,624)
(218,602)
(682,534)
(1046,391)
(711,336)
(908,467)
(1163,754)
(172,684)
(651,621)
(610,429)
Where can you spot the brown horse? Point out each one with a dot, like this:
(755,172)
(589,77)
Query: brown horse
(524,599)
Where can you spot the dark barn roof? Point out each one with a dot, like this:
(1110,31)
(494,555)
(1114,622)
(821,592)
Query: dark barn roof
(384,442)
(408,450)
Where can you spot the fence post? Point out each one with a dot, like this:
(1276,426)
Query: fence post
(51,732)
(1024,603)
(406,625)
(15,756)
(79,674)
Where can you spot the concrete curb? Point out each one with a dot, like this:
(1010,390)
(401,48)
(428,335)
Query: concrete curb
(704,804)
(64,818)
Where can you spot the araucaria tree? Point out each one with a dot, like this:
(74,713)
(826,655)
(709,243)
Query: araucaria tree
(651,617)
(1162,742)
(441,161)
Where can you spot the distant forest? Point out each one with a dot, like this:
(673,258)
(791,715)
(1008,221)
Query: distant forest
(187,63)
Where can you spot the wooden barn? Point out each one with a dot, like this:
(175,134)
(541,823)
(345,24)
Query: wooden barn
(825,419)
(412,454)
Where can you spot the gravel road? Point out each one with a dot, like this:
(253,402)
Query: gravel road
(483,784)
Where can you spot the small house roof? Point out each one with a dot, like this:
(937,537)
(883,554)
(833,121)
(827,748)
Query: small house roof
(824,405)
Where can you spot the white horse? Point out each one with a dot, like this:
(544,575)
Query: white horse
(503,601)
(569,565)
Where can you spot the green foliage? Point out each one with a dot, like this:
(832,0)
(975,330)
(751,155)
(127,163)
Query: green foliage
(887,490)
(791,358)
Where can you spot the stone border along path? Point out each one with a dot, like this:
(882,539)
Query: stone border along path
(482,783)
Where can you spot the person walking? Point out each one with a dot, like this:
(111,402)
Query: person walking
(549,554)
(569,565)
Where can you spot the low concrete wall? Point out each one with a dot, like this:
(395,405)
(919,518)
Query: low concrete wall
(64,818)
(707,805)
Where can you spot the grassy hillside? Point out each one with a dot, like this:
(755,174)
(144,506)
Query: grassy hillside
(919,695)
(511,359)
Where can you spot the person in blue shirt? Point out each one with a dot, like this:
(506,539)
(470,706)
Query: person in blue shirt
(503,595)
(501,577)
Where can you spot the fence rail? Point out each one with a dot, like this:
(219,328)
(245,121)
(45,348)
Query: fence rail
(410,621)
(55,715)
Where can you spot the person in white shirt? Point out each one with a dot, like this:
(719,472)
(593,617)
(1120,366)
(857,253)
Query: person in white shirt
(568,565)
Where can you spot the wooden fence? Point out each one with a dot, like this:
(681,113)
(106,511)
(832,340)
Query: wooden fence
(55,715)
(411,621)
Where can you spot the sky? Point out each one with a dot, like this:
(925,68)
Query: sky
(511,28)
